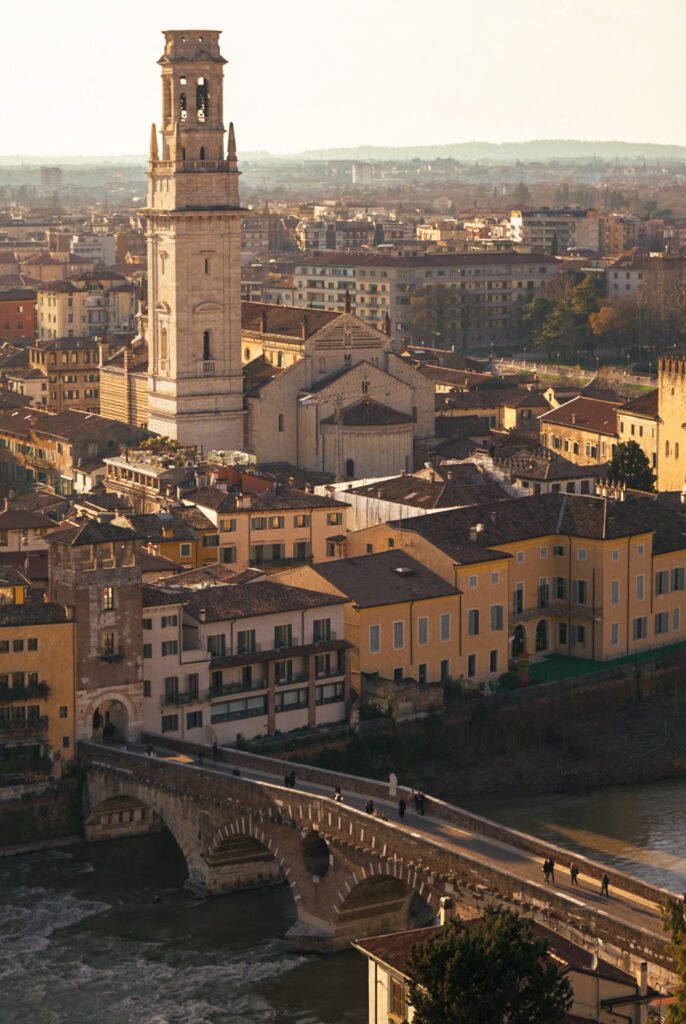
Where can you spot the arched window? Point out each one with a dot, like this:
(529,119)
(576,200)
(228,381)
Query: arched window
(207,262)
(365,387)
(542,636)
(279,359)
(164,343)
(247,355)
(667,448)
(206,345)
(282,423)
(166,101)
(518,641)
(183,106)
(202,157)
(350,467)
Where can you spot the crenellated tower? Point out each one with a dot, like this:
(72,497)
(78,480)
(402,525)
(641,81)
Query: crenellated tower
(671,409)
(195,382)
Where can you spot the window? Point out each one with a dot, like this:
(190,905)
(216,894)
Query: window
(397,1003)
(108,599)
(374,639)
(17,645)
(640,628)
(640,587)
(473,622)
(423,630)
(544,552)
(210,540)
(473,581)
(300,521)
(640,550)
(445,626)
(615,554)
(471,666)
(520,556)
(676,619)
(147,650)
(398,636)
(216,645)
(581,554)
(543,593)
(445,670)
(493,661)
(169,620)
(245,641)
(518,599)
(249,707)
(334,519)
(496,618)
(321,630)
(4,646)
(614,592)
(228,555)
(194,720)
(558,549)
(32,643)
(495,578)
(63,712)
(579,591)
(281,423)
(171,689)
(185,550)
(661,623)
(170,647)
(578,635)
(661,582)
(147,623)
(677,579)
(329,693)
(562,633)
(291,700)
(206,354)
(283,636)
(170,723)
(108,644)
(146,688)
(227,525)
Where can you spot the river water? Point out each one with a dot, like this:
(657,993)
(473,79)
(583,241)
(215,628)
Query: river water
(106,931)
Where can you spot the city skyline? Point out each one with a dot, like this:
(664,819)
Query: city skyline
(381,76)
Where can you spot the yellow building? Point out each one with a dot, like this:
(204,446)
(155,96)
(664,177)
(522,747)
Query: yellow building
(584,430)
(637,420)
(185,536)
(269,530)
(591,577)
(84,305)
(401,618)
(36,679)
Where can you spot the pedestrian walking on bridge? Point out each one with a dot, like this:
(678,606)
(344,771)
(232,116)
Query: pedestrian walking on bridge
(605,886)
(401,808)
(573,873)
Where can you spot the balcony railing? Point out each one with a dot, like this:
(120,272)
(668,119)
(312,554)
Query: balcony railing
(208,367)
(555,606)
(23,726)
(175,699)
(26,691)
(226,689)
(325,637)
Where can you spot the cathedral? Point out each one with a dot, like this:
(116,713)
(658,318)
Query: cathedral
(323,391)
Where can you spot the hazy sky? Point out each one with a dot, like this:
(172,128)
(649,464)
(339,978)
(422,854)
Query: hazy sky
(80,77)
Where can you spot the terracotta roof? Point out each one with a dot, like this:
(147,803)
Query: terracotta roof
(157,526)
(477,398)
(389,577)
(264,501)
(467,487)
(194,518)
(642,405)
(17,519)
(210,575)
(369,413)
(157,563)
(264,597)
(33,612)
(32,564)
(546,515)
(591,414)
(284,320)
(92,532)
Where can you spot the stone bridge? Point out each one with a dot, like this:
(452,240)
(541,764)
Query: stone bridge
(352,874)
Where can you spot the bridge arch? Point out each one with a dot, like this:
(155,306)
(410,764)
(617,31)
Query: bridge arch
(241,855)
(388,897)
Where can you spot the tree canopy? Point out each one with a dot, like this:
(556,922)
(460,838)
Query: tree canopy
(630,466)
(492,972)
(558,320)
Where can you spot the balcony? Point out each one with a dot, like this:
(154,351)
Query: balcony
(115,655)
(326,637)
(207,367)
(227,689)
(26,691)
(170,700)
(20,727)
(555,606)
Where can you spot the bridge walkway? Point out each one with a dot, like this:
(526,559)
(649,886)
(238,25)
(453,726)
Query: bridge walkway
(622,905)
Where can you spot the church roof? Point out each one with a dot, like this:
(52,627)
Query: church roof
(289,321)
(369,413)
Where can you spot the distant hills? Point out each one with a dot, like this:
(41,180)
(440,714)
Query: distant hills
(510,152)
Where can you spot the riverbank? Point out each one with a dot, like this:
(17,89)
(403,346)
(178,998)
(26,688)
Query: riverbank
(615,732)
(40,815)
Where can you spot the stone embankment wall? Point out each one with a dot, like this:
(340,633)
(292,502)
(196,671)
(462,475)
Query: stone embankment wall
(32,814)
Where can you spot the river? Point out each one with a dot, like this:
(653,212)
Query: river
(107,930)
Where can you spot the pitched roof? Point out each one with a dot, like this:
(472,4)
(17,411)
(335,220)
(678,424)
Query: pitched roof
(461,484)
(33,612)
(264,501)
(263,597)
(18,519)
(157,526)
(369,413)
(285,321)
(592,414)
(92,532)
(389,577)
(643,405)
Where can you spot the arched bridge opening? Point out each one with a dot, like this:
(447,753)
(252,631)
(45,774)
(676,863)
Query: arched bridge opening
(120,816)
(236,860)
(378,905)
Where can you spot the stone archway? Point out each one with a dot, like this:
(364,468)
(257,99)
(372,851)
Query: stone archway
(542,636)
(110,721)
(380,904)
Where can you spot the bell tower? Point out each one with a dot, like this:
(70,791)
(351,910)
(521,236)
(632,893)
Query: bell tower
(195,382)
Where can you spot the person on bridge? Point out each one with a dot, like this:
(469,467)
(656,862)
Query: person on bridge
(401,808)
(546,870)
(369,807)
(551,862)
(573,873)
(605,886)
(292,780)
(337,795)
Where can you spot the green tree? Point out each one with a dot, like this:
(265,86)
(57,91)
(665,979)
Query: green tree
(428,313)
(554,245)
(630,466)
(488,973)
(674,924)
(521,194)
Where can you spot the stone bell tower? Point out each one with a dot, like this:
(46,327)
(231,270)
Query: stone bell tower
(195,383)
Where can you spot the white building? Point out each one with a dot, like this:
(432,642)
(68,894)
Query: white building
(98,248)
(242,659)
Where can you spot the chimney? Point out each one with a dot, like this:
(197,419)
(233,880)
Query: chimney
(263,322)
(446,910)
(304,328)
(202,615)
